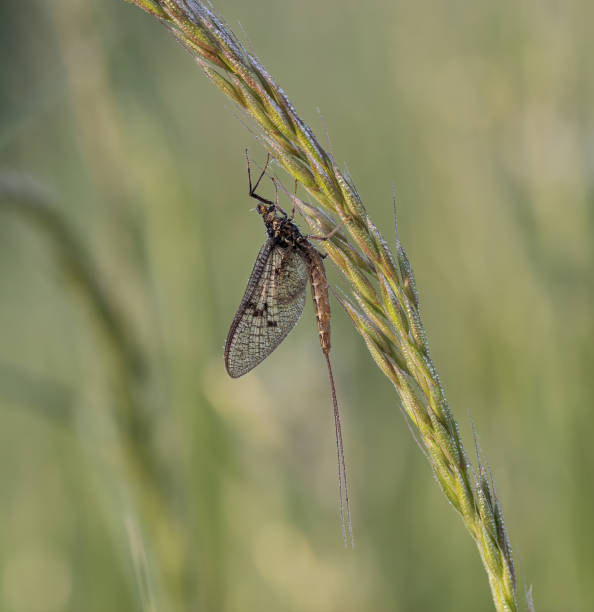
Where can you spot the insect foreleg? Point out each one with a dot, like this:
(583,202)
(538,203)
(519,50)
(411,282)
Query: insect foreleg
(253,193)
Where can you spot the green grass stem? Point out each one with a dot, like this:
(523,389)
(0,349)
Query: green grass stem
(385,309)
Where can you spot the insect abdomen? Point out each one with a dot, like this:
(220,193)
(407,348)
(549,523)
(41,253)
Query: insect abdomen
(319,293)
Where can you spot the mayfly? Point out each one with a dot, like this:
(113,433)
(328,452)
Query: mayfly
(273,302)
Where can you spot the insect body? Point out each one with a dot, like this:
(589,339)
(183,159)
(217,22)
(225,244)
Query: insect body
(273,303)
(274,297)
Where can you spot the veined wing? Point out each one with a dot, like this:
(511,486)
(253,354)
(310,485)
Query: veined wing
(270,308)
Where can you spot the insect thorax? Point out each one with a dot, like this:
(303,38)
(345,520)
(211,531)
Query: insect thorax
(280,227)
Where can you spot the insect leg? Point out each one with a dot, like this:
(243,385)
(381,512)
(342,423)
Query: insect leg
(253,193)
(276,204)
(294,200)
(328,236)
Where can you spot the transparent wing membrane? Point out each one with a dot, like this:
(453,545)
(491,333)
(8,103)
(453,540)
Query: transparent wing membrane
(270,308)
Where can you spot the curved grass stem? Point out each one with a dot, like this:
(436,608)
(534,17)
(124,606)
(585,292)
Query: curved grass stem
(385,310)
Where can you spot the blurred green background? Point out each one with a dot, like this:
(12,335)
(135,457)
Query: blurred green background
(135,475)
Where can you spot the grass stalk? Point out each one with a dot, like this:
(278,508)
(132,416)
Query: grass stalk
(385,305)
(124,357)
(26,197)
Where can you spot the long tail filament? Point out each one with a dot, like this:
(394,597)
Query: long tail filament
(343,489)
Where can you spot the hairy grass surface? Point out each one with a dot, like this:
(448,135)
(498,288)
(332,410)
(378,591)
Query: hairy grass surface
(385,306)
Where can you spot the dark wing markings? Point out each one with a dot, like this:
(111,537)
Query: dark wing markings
(271,306)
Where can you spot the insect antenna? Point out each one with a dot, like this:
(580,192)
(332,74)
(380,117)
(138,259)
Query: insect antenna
(343,487)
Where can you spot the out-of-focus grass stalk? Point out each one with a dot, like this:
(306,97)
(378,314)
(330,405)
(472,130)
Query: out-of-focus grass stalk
(385,310)
(24,195)
(125,357)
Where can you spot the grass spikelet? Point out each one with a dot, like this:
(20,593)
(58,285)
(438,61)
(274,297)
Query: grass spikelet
(387,314)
